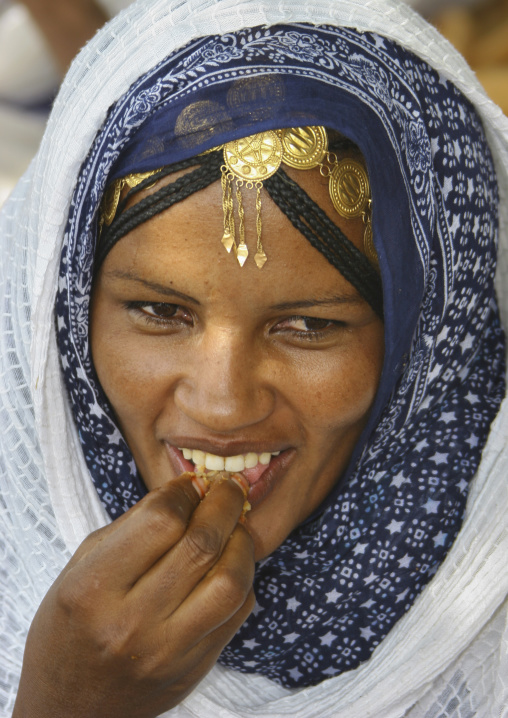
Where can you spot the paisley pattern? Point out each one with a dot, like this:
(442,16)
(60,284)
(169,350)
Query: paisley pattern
(338,584)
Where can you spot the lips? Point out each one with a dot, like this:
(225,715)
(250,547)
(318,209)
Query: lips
(262,470)
(252,465)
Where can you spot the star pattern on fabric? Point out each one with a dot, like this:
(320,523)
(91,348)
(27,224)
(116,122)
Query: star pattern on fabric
(463,485)
(399,479)
(395,526)
(251,643)
(96,410)
(293,604)
(295,674)
(370,578)
(291,637)
(359,548)
(440,539)
(401,596)
(431,507)
(257,609)
(369,603)
(367,633)
(467,343)
(443,335)
(333,596)
(455,225)
(328,639)
(405,561)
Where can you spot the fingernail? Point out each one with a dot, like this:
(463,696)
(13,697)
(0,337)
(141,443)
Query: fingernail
(201,485)
(242,483)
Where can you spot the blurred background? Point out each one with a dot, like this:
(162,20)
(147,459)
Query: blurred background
(38,39)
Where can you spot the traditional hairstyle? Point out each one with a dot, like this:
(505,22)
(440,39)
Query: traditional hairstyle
(305,214)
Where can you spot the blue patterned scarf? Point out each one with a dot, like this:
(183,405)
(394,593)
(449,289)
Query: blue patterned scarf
(334,589)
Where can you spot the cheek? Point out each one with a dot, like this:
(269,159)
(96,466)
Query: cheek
(130,371)
(336,392)
(135,381)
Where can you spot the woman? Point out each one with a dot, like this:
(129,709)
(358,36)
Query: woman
(380,406)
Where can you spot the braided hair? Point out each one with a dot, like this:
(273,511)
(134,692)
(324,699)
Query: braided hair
(292,200)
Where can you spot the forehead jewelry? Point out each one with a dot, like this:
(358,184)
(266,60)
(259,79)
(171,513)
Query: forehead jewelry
(249,161)
(112,195)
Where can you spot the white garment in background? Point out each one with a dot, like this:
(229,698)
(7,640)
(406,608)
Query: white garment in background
(448,656)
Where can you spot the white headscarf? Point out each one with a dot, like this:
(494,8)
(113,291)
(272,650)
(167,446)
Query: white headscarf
(453,642)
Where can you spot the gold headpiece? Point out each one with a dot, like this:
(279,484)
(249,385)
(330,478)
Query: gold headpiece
(249,161)
(109,204)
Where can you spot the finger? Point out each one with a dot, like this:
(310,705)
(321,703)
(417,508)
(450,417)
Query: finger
(181,669)
(175,575)
(215,642)
(202,657)
(128,548)
(219,596)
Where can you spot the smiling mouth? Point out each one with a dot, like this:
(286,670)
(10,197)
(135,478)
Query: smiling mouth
(251,465)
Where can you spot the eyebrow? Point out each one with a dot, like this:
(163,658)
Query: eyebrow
(334,300)
(155,286)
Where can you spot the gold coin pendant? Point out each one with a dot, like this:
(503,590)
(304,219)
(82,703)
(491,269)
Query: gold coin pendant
(349,188)
(254,158)
(304,147)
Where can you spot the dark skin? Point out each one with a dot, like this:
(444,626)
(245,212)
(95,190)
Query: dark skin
(240,360)
(192,563)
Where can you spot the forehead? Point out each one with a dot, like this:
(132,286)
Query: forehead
(185,242)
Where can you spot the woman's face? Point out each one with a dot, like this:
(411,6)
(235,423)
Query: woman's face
(196,353)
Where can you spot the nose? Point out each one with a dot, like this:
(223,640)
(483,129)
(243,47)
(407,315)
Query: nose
(223,388)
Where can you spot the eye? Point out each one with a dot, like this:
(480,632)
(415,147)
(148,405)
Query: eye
(309,328)
(160,313)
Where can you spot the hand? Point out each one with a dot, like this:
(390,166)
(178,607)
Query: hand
(143,609)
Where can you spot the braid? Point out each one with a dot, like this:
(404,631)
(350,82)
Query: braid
(305,215)
(205,175)
(160,174)
(326,237)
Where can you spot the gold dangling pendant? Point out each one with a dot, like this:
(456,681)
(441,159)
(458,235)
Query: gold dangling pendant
(228,239)
(252,159)
(260,256)
(242,251)
(349,188)
(368,238)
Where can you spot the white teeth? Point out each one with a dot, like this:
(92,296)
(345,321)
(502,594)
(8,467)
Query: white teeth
(234,463)
(203,460)
(198,457)
(251,460)
(214,463)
